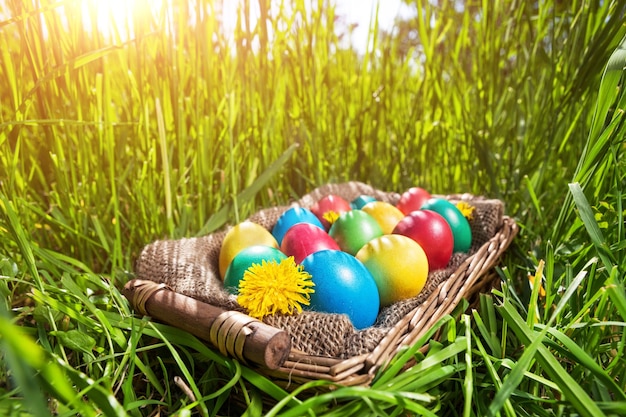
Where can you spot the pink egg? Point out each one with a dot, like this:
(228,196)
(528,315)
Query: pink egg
(432,232)
(303,239)
(412,199)
(328,206)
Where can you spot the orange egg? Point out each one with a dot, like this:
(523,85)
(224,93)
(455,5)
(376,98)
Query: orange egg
(239,237)
(398,264)
(387,215)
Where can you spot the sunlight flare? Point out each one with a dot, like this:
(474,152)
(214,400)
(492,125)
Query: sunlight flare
(119,17)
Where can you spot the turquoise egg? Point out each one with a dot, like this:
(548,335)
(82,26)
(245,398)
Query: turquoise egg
(461,230)
(255,254)
(360,201)
(292,217)
(343,286)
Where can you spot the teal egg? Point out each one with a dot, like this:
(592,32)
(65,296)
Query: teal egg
(461,230)
(343,286)
(245,259)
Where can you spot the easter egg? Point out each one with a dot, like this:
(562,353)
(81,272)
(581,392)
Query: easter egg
(360,201)
(240,237)
(353,229)
(343,286)
(461,229)
(293,216)
(303,239)
(245,259)
(398,264)
(387,215)
(412,199)
(433,234)
(329,206)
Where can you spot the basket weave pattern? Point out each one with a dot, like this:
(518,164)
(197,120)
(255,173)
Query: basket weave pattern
(326,346)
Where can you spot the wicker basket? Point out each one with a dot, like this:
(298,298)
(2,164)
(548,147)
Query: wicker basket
(189,267)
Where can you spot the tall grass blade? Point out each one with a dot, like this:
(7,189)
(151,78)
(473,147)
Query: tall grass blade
(578,354)
(615,288)
(399,362)
(610,86)
(165,158)
(21,238)
(607,122)
(24,358)
(493,374)
(185,371)
(587,216)
(535,350)
(468,383)
(218,219)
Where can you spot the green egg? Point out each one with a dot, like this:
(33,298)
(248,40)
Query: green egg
(353,229)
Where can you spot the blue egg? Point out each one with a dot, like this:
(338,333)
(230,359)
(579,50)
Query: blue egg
(360,201)
(344,286)
(292,217)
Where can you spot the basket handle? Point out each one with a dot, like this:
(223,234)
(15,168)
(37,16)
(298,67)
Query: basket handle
(235,334)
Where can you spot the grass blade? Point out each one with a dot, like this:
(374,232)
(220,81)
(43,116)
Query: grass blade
(535,350)
(218,219)
(586,214)
(581,357)
(615,288)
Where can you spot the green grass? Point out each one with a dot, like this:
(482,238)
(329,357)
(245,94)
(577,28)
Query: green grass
(109,143)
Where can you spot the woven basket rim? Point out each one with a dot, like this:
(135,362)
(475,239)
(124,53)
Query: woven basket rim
(361,370)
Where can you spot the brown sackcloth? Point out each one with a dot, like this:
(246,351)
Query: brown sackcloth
(190,267)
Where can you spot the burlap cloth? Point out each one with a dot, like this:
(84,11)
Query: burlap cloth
(190,267)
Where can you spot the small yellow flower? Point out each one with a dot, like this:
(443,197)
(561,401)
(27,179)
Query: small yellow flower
(273,287)
(466,209)
(532,279)
(330,216)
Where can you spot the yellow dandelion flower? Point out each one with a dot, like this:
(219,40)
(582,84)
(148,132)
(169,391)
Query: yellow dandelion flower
(273,287)
(330,216)
(466,209)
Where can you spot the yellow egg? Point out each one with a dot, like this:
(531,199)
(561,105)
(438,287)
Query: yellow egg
(387,215)
(398,264)
(239,237)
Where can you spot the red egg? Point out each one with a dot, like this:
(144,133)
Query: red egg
(328,205)
(412,199)
(303,239)
(432,232)
(461,229)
